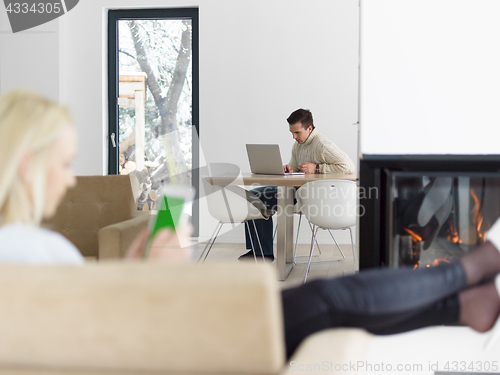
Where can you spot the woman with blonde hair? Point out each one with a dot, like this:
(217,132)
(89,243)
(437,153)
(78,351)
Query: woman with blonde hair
(38,143)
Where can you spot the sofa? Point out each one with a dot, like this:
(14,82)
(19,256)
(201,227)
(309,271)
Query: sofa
(99,216)
(141,318)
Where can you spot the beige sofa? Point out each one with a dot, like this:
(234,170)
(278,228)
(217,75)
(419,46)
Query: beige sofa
(140,319)
(100,216)
(137,318)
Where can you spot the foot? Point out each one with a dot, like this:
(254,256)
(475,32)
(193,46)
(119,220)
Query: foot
(481,264)
(249,256)
(480,307)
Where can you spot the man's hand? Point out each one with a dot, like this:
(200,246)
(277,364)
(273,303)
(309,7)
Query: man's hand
(287,169)
(308,168)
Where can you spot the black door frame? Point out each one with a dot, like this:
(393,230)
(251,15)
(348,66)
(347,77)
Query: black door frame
(115,15)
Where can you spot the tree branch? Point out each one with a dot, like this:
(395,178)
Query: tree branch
(179,76)
(142,59)
(126,53)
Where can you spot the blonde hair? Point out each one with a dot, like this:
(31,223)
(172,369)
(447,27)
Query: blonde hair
(29,125)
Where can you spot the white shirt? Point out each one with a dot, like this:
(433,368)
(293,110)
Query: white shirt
(20,243)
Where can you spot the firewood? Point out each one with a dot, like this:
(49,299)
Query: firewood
(142,196)
(145,207)
(145,190)
(153,195)
(142,177)
(125,171)
(131,165)
(121,160)
(153,205)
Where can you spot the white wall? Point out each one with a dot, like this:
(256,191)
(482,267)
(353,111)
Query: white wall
(30,58)
(430,77)
(259,61)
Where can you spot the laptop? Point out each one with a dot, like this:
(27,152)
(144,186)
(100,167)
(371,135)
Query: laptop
(266,159)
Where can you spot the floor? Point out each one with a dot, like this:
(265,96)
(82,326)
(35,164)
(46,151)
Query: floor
(224,252)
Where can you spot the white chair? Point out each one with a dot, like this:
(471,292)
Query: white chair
(329,205)
(233,204)
(295,256)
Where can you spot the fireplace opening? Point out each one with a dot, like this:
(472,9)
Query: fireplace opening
(436,218)
(430,208)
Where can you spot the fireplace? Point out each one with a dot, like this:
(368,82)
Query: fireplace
(421,210)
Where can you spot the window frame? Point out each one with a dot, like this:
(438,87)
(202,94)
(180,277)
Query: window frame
(115,15)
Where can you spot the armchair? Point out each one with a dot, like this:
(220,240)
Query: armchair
(99,216)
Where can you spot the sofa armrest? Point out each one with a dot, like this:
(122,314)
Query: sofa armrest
(115,239)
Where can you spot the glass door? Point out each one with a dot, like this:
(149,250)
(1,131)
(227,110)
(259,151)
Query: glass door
(153,99)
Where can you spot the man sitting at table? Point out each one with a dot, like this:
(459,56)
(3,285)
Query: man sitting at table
(311,153)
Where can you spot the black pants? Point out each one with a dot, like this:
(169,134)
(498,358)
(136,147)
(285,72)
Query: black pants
(269,196)
(381,301)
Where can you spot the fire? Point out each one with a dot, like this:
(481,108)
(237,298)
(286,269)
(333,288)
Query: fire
(453,234)
(415,236)
(428,264)
(439,261)
(478,218)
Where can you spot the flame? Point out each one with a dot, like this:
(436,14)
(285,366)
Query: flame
(416,265)
(439,261)
(453,234)
(478,218)
(415,236)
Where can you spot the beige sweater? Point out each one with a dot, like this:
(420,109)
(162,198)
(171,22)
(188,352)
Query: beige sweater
(318,149)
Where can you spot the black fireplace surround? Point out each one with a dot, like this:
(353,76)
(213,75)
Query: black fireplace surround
(380,228)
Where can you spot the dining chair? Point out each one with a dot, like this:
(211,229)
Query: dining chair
(232,204)
(328,205)
(297,211)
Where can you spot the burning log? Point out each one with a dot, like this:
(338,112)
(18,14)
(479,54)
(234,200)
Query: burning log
(413,235)
(439,261)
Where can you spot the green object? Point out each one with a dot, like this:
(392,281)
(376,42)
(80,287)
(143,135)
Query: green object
(168,215)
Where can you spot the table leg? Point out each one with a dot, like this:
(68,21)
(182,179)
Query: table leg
(284,251)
